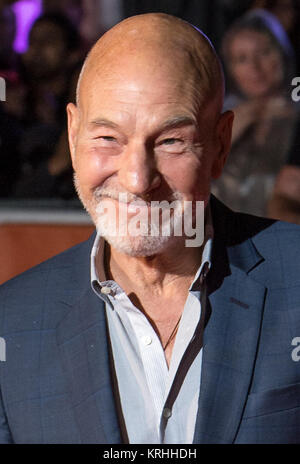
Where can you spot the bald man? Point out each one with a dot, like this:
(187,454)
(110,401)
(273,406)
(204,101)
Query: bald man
(148,332)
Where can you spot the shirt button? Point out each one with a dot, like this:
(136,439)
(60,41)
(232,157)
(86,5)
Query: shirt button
(106,290)
(167,413)
(147,340)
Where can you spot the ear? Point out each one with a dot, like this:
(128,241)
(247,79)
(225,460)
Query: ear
(223,134)
(73,127)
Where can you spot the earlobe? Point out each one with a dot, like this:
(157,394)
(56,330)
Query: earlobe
(72,114)
(224,131)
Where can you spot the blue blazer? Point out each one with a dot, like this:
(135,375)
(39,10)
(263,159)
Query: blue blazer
(56,382)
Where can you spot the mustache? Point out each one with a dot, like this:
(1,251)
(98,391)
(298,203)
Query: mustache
(114,193)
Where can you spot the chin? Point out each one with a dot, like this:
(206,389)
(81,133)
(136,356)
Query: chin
(139,246)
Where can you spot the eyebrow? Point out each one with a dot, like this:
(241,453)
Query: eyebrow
(171,123)
(103,122)
(178,121)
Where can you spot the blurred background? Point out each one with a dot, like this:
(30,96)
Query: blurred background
(42,47)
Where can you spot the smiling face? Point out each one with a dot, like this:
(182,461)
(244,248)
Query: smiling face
(138,130)
(255,64)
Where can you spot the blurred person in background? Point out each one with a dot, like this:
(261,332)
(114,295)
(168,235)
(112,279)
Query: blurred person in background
(73,9)
(10,133)
(259,62)
(11,108)
(91,17)
(84,15)
(285,200)
(288,13)
(8,57)
(10,63)
(50,66)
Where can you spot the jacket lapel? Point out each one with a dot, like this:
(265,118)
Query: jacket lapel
(233,318)
(82,341)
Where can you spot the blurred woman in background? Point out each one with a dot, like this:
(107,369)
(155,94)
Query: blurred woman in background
(288,13)
(259,62)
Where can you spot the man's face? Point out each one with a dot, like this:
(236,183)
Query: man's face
(138,131)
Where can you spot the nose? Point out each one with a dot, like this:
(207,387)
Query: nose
(256,63)
(137,172)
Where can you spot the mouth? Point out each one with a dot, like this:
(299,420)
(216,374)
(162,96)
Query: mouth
(133,204)
(130,207)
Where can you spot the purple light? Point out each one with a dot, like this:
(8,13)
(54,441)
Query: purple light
(26,12)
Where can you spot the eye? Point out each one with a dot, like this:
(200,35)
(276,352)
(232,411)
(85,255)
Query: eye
(172,145)
(106,138)
(106,141)
(171,141)
(240,59)
(266,51)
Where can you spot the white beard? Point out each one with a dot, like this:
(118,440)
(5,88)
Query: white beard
(151,240)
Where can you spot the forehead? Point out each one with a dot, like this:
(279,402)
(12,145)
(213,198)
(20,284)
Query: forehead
(46,31)
(249,38)
(154,84)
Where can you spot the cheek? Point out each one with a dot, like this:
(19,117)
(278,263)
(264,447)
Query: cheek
(190,177)
(240,75)
(277,70)
(274,67)
(91,168)
(237,72)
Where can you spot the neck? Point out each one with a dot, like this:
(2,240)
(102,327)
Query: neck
(157,272)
